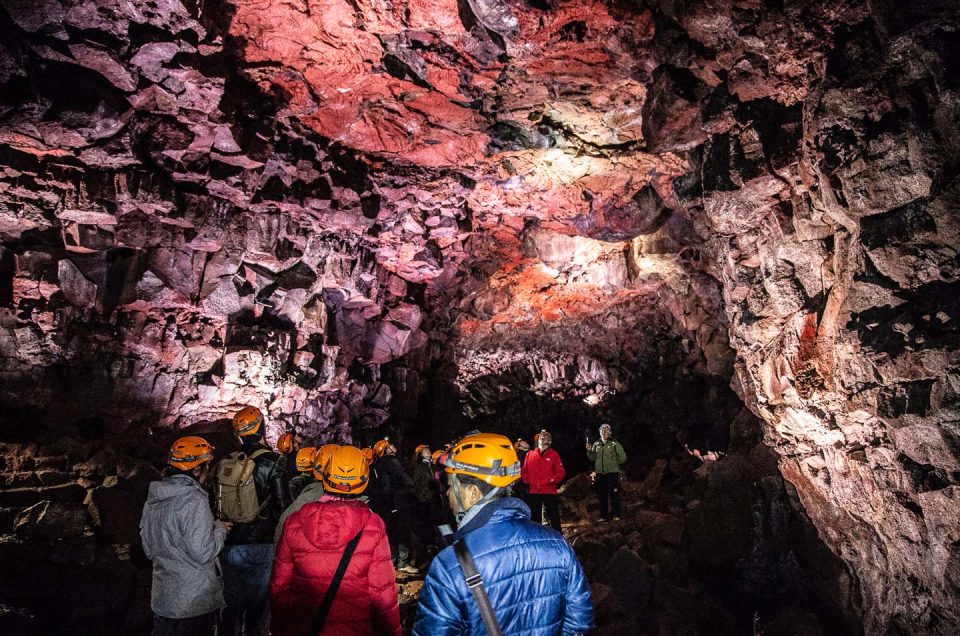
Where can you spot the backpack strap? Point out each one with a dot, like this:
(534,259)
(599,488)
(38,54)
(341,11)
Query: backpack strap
(475,583)
(324,610)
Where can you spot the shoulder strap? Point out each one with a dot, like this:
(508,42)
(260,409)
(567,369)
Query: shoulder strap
(258,453)
(475,583)
(324,610)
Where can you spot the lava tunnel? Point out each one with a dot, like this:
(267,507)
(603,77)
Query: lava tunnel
(728,229)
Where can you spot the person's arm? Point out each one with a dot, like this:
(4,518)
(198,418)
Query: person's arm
(559,472)
(578,617)
(382,582)
(440,611)
(280,484)
(592,453)
(145,536)
(621,454)
(524,470)
(202,537)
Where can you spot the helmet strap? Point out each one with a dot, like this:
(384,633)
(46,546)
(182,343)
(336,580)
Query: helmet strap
(460,513)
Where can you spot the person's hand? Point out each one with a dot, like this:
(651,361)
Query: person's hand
(226,525)
(589,446)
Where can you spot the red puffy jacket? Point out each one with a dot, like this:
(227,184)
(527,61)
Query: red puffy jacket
(542,471)
(307,556)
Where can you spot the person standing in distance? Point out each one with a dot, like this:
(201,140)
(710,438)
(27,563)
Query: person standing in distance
(542,473)
(527,576)
(607,456)
(180,536)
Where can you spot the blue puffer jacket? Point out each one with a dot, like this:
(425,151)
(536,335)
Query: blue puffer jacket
(533,579)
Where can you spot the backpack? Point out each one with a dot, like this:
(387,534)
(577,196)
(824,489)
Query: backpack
(234,490)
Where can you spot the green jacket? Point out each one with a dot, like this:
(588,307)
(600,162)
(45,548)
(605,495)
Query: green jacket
(422,475)
(607,457)
(312,492)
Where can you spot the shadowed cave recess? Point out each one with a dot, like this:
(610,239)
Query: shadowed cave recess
(728,224)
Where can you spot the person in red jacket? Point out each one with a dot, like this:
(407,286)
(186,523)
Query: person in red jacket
(542,473)
(313,542)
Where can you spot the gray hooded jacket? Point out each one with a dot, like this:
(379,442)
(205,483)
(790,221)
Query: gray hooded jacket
(180,537)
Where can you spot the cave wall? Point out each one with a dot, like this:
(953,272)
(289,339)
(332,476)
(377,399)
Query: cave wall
(335,210)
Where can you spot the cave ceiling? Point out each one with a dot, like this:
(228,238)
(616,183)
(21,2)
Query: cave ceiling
(319,206)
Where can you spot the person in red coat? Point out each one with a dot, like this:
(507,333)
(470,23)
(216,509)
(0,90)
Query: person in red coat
(314,540)
(542,473)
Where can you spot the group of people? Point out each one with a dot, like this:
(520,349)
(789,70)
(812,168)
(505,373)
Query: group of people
(310,540)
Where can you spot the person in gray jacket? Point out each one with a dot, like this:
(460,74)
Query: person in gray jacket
(181,537)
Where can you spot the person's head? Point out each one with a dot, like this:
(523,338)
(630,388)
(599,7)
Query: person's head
(287,443)
(320,459)
(521,445)
(544,440)
(605,432)
(481,467)
(248,424)
(304,459)
(191,455)
(384,447)
(422,452)
(346,471)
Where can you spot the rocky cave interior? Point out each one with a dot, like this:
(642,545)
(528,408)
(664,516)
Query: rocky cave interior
(731,224)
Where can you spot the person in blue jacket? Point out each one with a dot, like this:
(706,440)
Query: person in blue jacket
(530,574)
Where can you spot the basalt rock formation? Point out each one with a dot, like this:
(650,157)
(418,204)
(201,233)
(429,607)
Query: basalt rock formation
(423,217)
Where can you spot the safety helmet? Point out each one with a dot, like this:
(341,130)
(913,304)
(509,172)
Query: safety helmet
(285,443)
(368,453)
(305,459)
(420,448)
(247,421)
(486,456)
(189,452)
(381,447)
(346,471)
(436,455)
(320,459)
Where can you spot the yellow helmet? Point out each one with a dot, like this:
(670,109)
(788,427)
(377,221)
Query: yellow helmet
(346,471)
(381,447)
(189,452)
(320,459)
(305,459)
(247,421)
(285,443)
(485,456)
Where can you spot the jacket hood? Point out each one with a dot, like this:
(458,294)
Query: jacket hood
(330,523)
(170,488)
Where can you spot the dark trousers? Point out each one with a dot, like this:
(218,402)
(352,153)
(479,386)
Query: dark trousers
(399,536)
(550,502)
(194,626)
(246,588)
(608,489)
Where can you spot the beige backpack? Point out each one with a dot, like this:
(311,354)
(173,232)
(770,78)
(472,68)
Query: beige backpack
(233,487)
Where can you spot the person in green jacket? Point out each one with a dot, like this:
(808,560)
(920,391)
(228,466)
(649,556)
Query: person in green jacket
(607,456)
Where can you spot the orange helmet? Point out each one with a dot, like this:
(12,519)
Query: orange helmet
(436,455)
(486,456)
(368,453)
(305,459)
(381,447)
(285,443)
(421,447)
(320,459)
(247,421)
(346,471)
(189,452)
